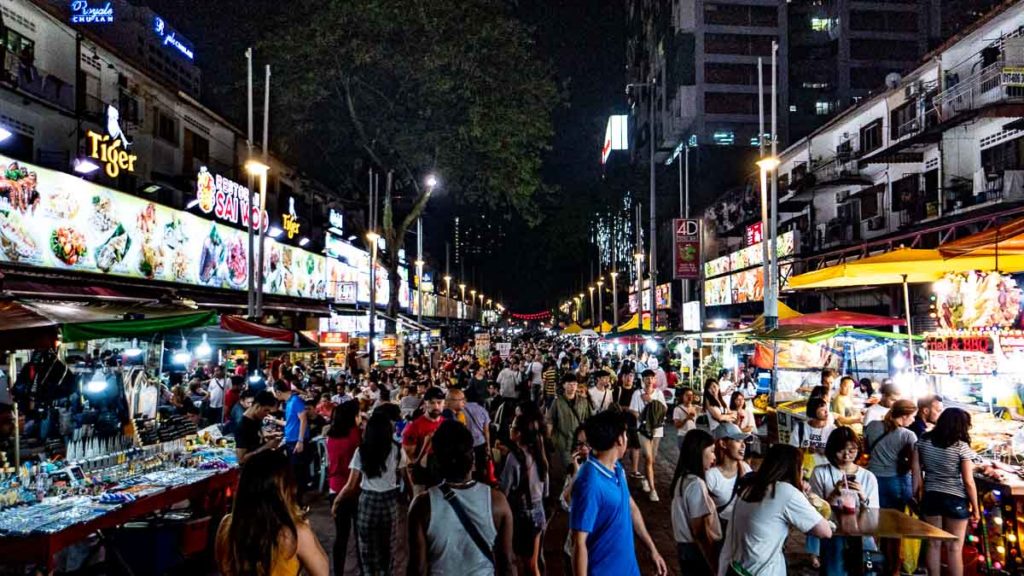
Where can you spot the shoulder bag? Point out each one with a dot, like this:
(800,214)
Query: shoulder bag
(467,522)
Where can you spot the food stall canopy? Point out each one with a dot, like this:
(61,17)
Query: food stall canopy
(785,313)
(606,327)
(815,334)
(842,318)
(903,265)
(573,328)
(79,332)
(235,332)
(36,324)
(1006,239)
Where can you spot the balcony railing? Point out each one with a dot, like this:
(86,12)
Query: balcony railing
(842,165)
(992,85)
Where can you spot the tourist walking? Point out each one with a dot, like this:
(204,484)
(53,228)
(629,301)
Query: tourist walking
(524,480)
(374,478)
(695,523)
(649,408)
(266,534)
(565,415)
(601,396)
(891,445)
(684,415)
(249,438)
(416,440)
(459,526)
(476,419)
(723,479)
(343,438)
(766,509)
(603,516)
(715,405)
(296,429)
(579,458)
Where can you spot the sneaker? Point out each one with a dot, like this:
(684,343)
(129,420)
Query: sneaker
(654,496)
(645,485)
(636,475)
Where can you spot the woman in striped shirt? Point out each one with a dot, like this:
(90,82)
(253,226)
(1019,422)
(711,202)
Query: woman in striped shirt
(943,470)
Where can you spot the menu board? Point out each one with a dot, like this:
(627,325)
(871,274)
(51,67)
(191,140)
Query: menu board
(977,300)
(717,291)
(349,264)
(741,287)
(749,256)
(55,220)
(717,267)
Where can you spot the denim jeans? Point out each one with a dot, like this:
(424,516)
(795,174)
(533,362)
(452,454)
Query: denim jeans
(894,491)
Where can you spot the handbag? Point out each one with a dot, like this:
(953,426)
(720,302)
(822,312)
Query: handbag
(467,523)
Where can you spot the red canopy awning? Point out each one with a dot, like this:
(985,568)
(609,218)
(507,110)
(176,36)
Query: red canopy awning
(841,318)
(242,326)
(1004,239)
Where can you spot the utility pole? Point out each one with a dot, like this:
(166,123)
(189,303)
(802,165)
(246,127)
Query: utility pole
(263,192)
(251,309)
(653,266)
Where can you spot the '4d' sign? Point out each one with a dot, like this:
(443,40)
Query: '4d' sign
(226,199)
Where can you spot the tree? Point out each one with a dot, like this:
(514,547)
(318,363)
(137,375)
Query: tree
(411,87)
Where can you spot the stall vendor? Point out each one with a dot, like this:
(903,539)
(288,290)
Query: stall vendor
(1012,403)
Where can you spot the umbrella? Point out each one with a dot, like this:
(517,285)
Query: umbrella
(842,318)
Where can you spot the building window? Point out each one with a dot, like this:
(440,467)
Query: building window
(822,108)
(738,44)
(822,24)
(724,137)
(792,107)
(871,137)
(721,73)
(740,15)
(166,127)
(730,103)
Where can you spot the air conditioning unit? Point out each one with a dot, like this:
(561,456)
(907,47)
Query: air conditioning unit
(912,90)
(876,223)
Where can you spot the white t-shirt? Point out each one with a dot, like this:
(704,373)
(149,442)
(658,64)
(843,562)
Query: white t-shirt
(388,480)
(600,400)
(679,414)
(217,389)
(721,488)
(806,436)
(824,479)
(637,405)
(726,385)
(689,502)
(875,412)
(536,372)
(755,537)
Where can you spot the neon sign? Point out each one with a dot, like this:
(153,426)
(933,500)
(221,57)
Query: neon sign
(170,38)
(82,13)
(337,221)
(290,221)
(111,148)
(226,199)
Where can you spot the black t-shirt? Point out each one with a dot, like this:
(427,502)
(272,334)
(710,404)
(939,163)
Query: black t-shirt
(625,396)
(247,437)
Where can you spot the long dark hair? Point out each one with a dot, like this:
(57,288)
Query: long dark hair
(263,518)
(343,419)
(782,463)
(528,425)
(378,441)
(691,456)
(713,399)
(954,426)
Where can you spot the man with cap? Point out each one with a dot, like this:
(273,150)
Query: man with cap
(601,395)
(648,406)
(730,466)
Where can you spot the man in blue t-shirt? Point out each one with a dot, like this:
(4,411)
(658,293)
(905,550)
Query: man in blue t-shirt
(296,430)
(602,515)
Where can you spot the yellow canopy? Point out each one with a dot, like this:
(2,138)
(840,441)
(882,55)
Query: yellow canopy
(573,328)
(606,327)
(785,312)
(908,265)
(632,323)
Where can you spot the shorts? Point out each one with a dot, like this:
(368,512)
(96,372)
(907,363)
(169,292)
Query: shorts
(632,433)
(647,444)
(945,505)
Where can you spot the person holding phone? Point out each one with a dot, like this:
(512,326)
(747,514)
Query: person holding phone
(248,438)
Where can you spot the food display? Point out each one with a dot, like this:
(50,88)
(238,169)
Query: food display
(52,219)
(977,300)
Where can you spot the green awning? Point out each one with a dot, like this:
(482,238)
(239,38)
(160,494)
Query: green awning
(814,334)
(136,328)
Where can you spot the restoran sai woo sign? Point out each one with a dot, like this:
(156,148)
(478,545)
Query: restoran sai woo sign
(226,199)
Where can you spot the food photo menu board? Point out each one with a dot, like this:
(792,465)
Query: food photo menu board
(55,220)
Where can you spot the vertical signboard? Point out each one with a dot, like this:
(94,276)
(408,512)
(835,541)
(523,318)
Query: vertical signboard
(686,248)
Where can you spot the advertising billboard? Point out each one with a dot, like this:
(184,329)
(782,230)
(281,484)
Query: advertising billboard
(686,248)
(55,220)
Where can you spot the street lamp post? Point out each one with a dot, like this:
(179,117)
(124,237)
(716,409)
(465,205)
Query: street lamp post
(448,299)
(639,256)
(615,301)
(472,303)
(431,183)
(591,289)
(600,305)
(462,288)
(771,312)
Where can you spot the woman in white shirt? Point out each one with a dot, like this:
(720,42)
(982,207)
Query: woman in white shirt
(744,417)
(684,415)
(729,467)
(695,524)
(715,406)
(765,511)
(840,475)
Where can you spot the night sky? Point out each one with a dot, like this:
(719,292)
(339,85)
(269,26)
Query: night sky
(584,41)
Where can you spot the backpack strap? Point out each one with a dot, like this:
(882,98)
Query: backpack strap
(467,523)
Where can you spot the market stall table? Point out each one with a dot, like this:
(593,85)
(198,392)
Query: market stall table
(884,524)
(42,549)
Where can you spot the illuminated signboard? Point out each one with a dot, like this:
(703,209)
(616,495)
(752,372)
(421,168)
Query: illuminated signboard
(750,256)
(290,221)
(754,234)
(616,136)
(337,222)
(333,340)
(76,225)
(170,38)
(111,149)
(351,264)
(226,199)
(83,13)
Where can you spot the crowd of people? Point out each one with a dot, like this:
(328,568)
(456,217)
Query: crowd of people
(470,448)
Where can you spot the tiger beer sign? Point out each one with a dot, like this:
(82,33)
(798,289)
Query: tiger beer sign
(686,248)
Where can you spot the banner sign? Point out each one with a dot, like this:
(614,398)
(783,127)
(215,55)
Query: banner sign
(504,349)
(483,345)
(686,248)
(50,219)
(755,233)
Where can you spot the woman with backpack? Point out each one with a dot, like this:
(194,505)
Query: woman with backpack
(891,444)
(524,480)
(695,524)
